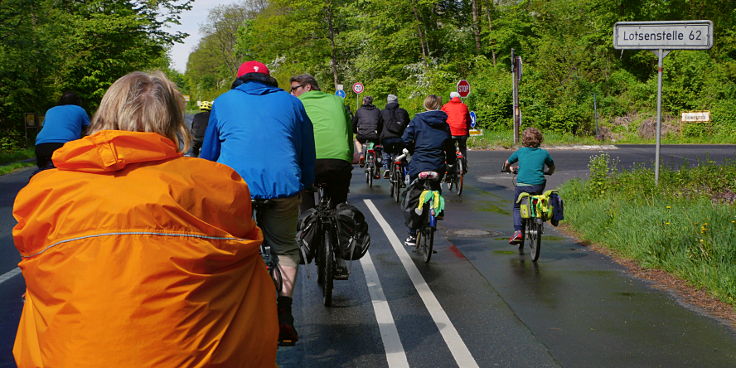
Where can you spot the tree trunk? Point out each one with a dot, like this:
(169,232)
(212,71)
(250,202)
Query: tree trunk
(476,25)
(420,33)
(489,10)
(333,49)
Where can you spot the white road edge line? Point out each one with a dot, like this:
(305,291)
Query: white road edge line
(452,338)
(395,354)
(9,275)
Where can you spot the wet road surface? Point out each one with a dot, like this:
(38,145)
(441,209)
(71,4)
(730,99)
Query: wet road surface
(478,302)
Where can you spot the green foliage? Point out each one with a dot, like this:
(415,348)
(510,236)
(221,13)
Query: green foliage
(48,46)
(686,225)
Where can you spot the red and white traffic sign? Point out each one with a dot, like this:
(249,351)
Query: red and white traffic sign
(463,88)
(358,88)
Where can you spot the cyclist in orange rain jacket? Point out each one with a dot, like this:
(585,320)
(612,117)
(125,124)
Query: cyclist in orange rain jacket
(134,256)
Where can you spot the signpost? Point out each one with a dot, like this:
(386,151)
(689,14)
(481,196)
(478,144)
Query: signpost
(463,88)
(358,88)
(515,78)
(662,36)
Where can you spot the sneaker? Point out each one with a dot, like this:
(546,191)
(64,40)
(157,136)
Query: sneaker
(361,161)
(376,176)
(411,241)
(516,238)
(287,333)
(386,174)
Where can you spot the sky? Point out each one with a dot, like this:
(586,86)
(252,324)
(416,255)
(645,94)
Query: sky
(190,23)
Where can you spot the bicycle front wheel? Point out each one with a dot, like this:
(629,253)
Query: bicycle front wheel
(328,268)
(397,179)
(535,238)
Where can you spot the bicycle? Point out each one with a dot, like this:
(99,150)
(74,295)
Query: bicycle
(429,213)
(398,174)
(270,258)
(372,162)
(534,213)
(454,180)
(326,258)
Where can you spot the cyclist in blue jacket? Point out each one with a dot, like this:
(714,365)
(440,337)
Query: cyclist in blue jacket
(428,137)
(264,133)
(530,178)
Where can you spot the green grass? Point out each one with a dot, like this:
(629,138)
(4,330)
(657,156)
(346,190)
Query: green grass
(11,161)
(504,139)
(686,226)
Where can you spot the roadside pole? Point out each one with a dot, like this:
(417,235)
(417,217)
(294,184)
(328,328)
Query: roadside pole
(660,56)
(661,37)
(515,82)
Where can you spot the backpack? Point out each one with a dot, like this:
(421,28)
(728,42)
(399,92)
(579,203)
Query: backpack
(394,126)
(352,232)
(307,235)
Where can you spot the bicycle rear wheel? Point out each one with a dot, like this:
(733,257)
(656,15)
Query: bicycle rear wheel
(328,268)
(427,243)
(535,238)
(458,180)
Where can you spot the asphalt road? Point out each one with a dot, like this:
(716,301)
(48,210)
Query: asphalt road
(478,302)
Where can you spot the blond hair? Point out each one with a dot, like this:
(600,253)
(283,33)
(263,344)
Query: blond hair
(531,137)
(144,102)
(433,102)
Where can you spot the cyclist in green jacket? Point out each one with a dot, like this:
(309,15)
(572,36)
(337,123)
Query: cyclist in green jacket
(530,178)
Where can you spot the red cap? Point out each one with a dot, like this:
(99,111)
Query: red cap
(252,67)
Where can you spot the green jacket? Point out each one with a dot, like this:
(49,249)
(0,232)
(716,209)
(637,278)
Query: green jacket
(333,133)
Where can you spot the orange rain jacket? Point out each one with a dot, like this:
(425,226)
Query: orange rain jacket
(458,116)
(134,256)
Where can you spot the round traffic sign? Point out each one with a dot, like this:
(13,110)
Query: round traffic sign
(358,88)
(340,93)
(463,88)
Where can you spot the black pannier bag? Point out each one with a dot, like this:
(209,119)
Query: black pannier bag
(352,232)
(558,208)
(307,235)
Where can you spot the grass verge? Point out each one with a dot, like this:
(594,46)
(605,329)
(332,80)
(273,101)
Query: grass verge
(505,139)
(11,161)
(686,226)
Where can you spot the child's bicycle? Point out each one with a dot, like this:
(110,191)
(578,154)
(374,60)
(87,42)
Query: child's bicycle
(534,213)
(535,210)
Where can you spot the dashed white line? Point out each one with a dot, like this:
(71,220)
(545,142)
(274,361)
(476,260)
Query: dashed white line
(9,275)
(452,338)
(395,354)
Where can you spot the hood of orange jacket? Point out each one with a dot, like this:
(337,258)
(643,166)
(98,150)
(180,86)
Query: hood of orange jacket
(136,256)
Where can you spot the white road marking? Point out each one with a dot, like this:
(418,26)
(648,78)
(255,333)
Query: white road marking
(395,354)
(454,342)
(9,275)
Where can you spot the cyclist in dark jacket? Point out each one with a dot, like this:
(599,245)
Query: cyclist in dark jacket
(395,120)
(428,136)
(199,126)
(367,124)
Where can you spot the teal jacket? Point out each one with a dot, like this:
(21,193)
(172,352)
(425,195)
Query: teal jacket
(333,132)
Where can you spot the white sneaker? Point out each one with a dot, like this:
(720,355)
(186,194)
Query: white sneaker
(411,241)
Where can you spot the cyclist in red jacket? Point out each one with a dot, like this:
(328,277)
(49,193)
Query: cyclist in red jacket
(458,117)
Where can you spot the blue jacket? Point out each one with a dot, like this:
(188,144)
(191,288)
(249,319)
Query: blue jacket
(429,135)
(264,134)
(62,124)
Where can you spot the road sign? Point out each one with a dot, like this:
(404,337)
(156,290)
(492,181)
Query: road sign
(340,93)
(665,35)
(476,132)
(358,88)
(463,88)
(696,116)
(186,98)
(472,119)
